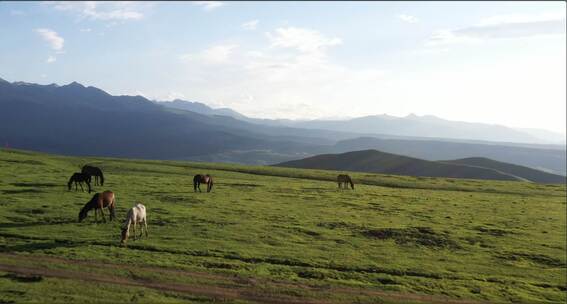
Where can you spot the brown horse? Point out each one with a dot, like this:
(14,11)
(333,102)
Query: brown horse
(345,180)
(202,179)
(79,178)
(98,202)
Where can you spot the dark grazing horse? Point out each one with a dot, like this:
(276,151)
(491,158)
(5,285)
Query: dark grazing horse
(99,201)
(94,171)
(202,179)
(79,178)
(344,180)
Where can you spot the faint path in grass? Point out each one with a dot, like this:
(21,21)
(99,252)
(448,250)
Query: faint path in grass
(243,289)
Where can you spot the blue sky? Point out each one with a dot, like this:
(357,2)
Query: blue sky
(492,62)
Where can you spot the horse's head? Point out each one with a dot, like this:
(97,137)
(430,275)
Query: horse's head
(69,184)
(83,214)
(124,236)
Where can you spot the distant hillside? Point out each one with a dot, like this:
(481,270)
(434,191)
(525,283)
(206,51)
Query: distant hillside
(552,160)
(379,162)
(387,163)
(520,171)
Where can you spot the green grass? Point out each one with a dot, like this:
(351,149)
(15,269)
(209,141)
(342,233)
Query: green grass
(283,233)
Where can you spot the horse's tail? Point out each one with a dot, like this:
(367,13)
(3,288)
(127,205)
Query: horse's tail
(351,183)
(101,178)
(211,184)
(195,183)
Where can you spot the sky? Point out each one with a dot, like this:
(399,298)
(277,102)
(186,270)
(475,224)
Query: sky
(491,62)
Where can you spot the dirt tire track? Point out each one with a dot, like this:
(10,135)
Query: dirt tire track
(243,292)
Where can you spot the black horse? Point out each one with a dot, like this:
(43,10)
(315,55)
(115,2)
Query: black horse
(202,179)
(79,178)
(94,171)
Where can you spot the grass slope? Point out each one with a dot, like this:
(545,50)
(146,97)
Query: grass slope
(277,235)
(520,171)
(381,162)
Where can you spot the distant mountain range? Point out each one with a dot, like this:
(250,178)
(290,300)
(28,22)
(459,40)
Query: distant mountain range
(386,163)
(427,126)
(78,120)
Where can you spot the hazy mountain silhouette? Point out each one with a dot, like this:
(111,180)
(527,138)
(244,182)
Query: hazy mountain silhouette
(427,126)
(387,163)
(519,171)
(546,159)
(74,119)
(201,108)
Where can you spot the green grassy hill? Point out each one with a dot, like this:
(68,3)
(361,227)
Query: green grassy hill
(520,171)
(387,163)
(277,235)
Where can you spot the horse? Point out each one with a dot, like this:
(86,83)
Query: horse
(79,178)
(199,179)
(136,215)
(93,171)
(99,201)
(344,180)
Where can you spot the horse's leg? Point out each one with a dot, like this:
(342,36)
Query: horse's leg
(95,216)
(134,231)
(199,186)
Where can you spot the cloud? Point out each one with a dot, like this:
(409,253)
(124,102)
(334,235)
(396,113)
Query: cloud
(303,40)
(85,30)
(408,18)
(208,5)
(53,39)
(217,54)
(107,11)
(51,59)
(502,27)
(290,76)
(250,25)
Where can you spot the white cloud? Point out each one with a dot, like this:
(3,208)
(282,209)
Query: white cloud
(107,11)
(250,25)
(217,54)
(208,5)
(521,18)
(292,77)
(303,40)
(51,59)
(55,41)
(408,18)
(502,27)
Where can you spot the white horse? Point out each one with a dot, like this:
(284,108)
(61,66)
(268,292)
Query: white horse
(136,215)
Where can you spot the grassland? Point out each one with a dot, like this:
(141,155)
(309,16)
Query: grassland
(277,235)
